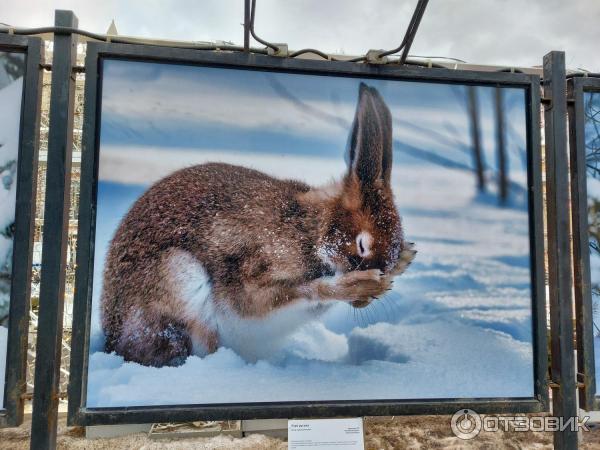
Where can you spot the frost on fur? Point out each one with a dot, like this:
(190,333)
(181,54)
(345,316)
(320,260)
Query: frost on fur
(224,255)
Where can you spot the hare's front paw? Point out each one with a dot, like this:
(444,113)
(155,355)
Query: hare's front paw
(405,259)
(362,285)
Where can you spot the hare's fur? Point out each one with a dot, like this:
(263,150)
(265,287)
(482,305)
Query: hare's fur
(221,255)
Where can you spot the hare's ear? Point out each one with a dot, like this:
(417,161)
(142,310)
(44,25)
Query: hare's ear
(369,153)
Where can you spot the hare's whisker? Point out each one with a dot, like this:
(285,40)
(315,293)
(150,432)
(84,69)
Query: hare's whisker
(382,305)
(375,313)
(366,316)
(386,306)
(369,314)
(360,263)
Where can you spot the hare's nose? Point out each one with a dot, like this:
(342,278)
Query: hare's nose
(364,241)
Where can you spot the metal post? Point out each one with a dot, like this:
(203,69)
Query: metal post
(559,248)
(56,216)
(246,25)
(20,291)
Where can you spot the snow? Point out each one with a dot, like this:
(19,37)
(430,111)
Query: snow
(187,91)
(151,165)
(456,324)
(263,338)
(384,361)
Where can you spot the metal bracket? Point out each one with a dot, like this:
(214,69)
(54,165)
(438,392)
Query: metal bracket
(374,57)
(282,50)
(547,101)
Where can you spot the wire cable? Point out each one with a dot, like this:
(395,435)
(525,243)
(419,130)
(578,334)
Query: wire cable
(253,33)
(405,44)
(313,51)
(409,36)
(583,75)
(4,28)
(124,40)
(411,31)
(449,58)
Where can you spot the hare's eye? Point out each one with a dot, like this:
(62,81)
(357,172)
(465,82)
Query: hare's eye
(364,240)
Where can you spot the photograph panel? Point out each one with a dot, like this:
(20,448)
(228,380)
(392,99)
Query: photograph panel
(265,236)
(12,69)
(591,107)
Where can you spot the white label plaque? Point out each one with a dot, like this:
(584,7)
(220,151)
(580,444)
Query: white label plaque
(326,434)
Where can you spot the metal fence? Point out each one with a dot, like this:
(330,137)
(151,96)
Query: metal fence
(55,318)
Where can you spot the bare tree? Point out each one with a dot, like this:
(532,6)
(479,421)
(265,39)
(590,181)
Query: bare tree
(12,66)
(478,161)
(501,148)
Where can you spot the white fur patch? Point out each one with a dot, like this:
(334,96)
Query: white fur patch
(254,338)
(195,291)
(364,242)
(251,338)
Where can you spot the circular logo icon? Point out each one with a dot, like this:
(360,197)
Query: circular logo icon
(466,424)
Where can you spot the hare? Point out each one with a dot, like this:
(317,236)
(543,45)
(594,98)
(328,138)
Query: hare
(217,255)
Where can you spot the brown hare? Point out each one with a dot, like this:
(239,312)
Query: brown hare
(218,255)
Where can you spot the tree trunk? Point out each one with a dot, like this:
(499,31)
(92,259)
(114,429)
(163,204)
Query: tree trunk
(476,137)
(501,149)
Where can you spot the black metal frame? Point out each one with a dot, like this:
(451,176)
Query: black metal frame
(577,87)
(27,165)
(79,414)
(44,418)
(560,279)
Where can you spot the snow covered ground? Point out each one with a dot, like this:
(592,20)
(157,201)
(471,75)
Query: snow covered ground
(10,115)
(457,323)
